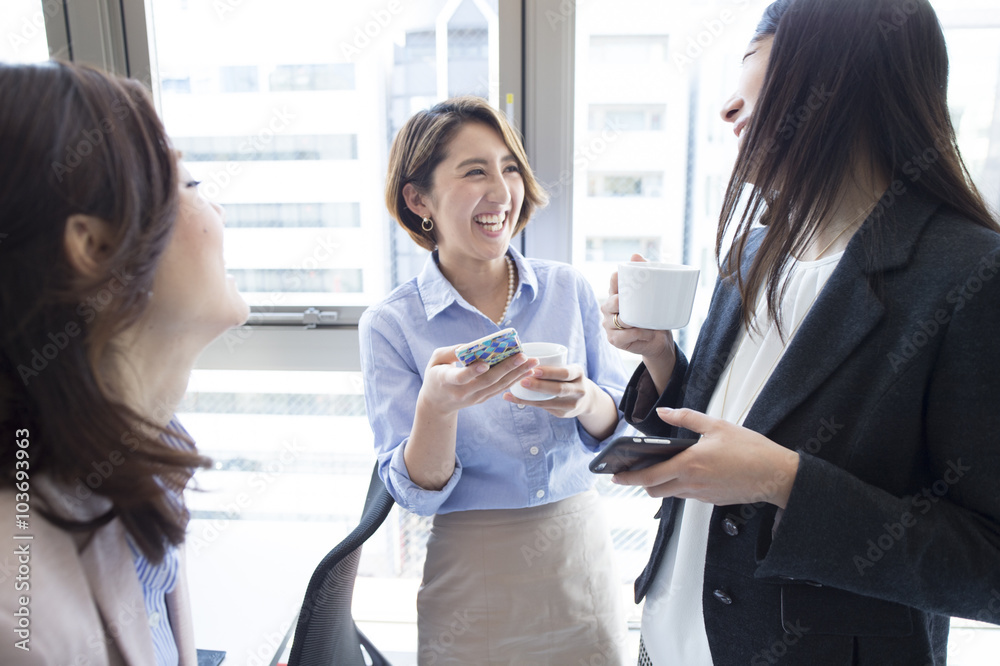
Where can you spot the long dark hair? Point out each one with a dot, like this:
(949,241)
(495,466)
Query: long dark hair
(847,80)
(77,141)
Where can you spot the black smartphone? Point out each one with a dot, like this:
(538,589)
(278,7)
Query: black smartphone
(631,453)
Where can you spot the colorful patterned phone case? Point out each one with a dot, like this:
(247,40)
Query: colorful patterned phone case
(492,348)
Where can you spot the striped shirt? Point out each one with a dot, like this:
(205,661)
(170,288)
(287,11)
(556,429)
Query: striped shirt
(159,580)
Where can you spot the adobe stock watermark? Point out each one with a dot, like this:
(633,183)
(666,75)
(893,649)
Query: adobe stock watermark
(279,122)
(265,650)
(827,430)
(902,10)
(58,340)
(258,483)
(960,296)
(922,501)
(708,33)
(779,648)
(545,537)
(795,120)
(126,614)
(566,9)
(324,250)
(584,157)
(34,27)
(78,151)
(223,8)
(439,647)
(372,29)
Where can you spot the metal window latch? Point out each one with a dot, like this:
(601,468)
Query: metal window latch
(310,318)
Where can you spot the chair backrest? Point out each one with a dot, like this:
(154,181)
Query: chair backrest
(325,634)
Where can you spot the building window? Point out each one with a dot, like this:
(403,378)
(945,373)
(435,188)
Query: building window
(633,118)
(628,49)
(269,147)
(625,185)
(337,76)
(283,280)
(238,79)
(603,249)
(293,215)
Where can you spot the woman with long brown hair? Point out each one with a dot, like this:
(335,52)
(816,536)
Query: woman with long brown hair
(842,502)
(111,282)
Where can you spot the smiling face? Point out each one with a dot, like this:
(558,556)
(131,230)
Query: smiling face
(192,293)
(739,108)
(475,200)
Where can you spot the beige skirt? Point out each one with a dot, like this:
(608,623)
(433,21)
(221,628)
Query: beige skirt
(524,587)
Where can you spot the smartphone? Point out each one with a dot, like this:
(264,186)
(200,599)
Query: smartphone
(632,453)
(492,348)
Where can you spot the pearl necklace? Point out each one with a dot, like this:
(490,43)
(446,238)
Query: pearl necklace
(510,287)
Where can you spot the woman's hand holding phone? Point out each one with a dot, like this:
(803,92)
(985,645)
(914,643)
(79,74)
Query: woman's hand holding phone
(449,387)
(730,465)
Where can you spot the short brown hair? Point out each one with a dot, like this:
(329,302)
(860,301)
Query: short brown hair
(422,144)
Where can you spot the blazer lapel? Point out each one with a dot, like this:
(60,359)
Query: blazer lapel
(845,312)
(107,561)
(843,315)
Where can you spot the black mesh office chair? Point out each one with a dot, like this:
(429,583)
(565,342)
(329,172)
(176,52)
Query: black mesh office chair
(325,634)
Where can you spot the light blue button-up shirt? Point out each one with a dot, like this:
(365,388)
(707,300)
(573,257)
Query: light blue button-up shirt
(506,456)
(159,580)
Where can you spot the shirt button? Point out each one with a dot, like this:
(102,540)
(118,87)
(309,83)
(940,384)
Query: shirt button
(723,597)
(730,527)
(533,450)
(154,619)
(540,494)
(520,406)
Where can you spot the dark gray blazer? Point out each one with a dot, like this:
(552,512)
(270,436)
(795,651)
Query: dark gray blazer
(890,392)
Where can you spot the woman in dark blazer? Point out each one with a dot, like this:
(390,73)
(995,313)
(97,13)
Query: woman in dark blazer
(853,500)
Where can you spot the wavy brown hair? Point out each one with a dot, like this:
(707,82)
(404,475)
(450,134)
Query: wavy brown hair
(848,81)
(77,141)
(421,145)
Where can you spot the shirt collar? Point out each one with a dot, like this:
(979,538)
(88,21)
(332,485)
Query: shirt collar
(437,293)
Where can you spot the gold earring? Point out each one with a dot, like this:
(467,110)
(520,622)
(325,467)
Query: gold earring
(427,224)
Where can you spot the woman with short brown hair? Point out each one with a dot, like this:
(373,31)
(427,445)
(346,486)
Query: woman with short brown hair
(518,566)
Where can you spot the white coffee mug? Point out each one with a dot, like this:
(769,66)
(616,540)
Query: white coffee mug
(656,296)
(547,353)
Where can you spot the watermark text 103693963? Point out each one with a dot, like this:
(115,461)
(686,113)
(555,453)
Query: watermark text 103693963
(22,541)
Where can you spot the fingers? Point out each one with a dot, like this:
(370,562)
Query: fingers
(660,476)
(444,355)
(566,373)
(511,370)
(637,257)
(688,418)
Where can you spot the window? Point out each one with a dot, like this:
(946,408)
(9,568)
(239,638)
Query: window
(24,38)
(291,135)
(269,145)
(628,49)
(313,77)
(620,249)
(625,185)
(317,101)
(238,79)
(632,118)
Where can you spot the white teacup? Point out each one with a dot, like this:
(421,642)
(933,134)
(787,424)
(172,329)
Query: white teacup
(547,353)
(656,296)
